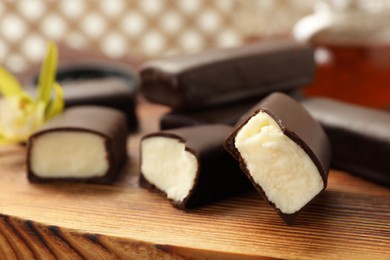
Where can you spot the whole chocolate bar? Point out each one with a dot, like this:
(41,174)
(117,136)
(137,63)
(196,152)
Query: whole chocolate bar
(190,166)
(83,144)
(360,137)
(223,76)
(226,114)
(284,152)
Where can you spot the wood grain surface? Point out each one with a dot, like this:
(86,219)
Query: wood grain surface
(351,220)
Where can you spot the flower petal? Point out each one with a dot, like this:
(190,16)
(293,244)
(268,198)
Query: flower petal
(48,74)
(8,83)
(57,104)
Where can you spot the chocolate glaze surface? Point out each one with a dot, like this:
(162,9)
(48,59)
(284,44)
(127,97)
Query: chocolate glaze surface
(360,137)
(299,126)
(223,76)
(218,174)
(106,122)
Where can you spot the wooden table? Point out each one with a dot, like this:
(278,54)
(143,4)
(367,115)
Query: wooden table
(351,220)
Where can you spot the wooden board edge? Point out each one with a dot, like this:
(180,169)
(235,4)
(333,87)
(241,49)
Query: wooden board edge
(23,239)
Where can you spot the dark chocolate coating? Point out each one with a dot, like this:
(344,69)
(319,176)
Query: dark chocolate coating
(226,115)
(106,122)
(223,76)
(297,124)
(360,137)
(218,174)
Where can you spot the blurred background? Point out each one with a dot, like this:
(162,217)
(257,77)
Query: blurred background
(351,37)
(145,29)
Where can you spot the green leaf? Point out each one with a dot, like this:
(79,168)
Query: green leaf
(57,104)
(8,83)
(48,74)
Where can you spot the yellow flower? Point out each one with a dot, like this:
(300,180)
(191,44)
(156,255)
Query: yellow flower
(22,114)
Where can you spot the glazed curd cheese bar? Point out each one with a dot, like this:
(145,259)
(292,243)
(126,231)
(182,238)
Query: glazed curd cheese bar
(190,166)
(284,152)
(360,137)
(83,144)
(223,76)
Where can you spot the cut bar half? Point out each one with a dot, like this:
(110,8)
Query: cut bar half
(85,144)
(190,166)
(284,152)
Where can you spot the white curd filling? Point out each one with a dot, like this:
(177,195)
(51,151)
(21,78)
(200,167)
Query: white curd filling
(167,165)
(69,155)
(277,164)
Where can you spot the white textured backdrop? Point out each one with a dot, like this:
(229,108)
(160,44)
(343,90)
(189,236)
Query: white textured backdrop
(148,28)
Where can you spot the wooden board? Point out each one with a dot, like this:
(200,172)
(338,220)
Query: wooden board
(351,220)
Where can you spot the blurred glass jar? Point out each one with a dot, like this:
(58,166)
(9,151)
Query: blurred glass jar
(352,41)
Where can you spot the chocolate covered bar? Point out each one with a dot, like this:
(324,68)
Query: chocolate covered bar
(224,76)
(360,137)
(190,166)
(83,144)
(225,115)
(284,152)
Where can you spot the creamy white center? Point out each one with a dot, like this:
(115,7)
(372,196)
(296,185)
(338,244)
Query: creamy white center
(69,155)
(277,164)
(167,165)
